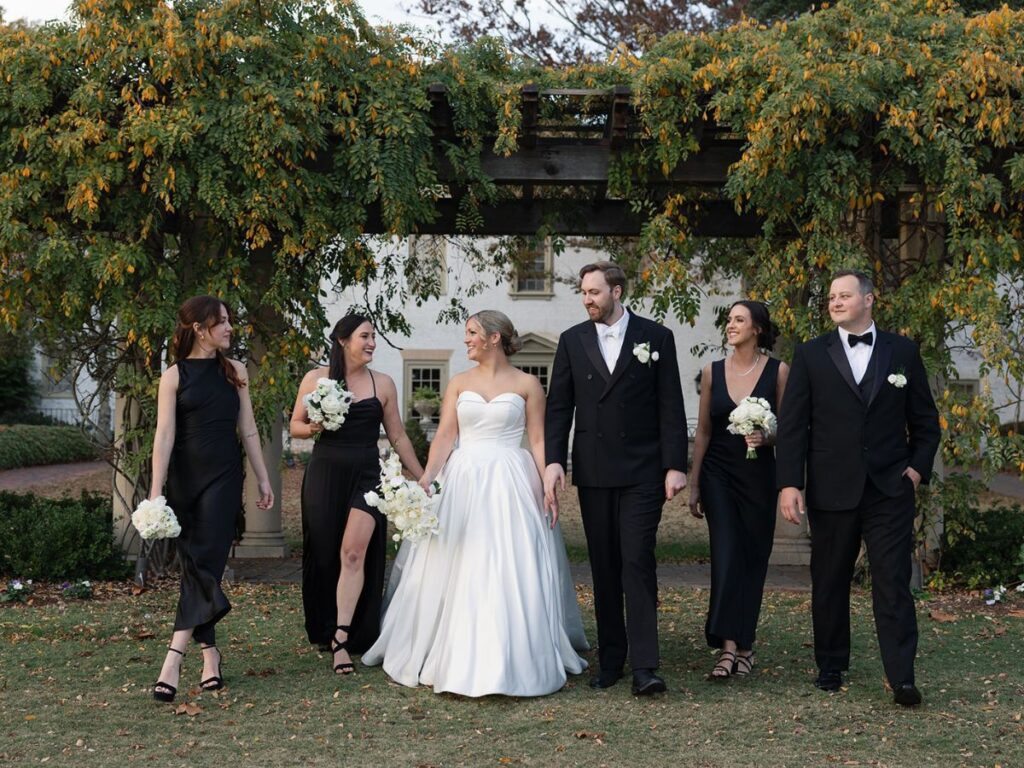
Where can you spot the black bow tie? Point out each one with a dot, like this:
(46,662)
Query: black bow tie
(865,338)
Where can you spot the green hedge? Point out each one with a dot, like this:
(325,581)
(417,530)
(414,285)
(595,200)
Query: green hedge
(983,547)
(58,538)
(29,446)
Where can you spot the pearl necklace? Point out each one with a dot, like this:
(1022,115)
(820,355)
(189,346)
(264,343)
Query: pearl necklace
(748,372)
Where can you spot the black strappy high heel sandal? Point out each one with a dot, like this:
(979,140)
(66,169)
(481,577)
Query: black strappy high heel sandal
(165,691)
(345,668)
(744,665)
(725,667)
(216,682)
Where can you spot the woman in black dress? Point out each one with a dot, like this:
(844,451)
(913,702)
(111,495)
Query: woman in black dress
(203,405)
(344,538)
(736,494)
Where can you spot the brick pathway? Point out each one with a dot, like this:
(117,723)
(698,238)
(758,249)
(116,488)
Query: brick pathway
(51,474)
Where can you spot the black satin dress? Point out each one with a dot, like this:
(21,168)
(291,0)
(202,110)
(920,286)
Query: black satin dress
(204,488)
(345,465)
(739,499)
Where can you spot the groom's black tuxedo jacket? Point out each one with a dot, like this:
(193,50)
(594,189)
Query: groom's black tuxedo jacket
(630,422)
(844,432)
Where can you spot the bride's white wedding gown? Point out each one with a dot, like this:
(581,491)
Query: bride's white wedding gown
(487,606)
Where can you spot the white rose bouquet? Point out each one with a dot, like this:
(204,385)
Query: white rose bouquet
(153,519)
(753,413)
(404,502)
(328,404)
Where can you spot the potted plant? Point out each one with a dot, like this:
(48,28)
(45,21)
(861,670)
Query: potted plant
(427,402)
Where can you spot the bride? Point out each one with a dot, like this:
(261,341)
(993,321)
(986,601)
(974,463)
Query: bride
(487,605)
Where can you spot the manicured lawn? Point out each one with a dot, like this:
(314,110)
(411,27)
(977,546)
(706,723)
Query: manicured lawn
(75,690)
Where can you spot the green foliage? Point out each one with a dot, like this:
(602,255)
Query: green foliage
(58,539)
(428,394)
(29,446)
(16,390)
(983,548)
(150,152)
(418,438)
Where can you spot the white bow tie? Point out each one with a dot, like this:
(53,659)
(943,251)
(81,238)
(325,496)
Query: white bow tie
(609,333)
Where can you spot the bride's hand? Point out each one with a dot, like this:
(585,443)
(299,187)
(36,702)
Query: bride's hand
(427,484)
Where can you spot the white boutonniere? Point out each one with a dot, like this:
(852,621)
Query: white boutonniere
(898,380)
(642,352)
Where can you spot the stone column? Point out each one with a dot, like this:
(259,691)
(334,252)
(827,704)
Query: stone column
(263,535)
(792,544)
(125,415)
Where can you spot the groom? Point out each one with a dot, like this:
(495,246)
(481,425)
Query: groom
(859,415)
(617,374)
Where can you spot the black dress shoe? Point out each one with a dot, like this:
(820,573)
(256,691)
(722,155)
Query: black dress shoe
(605,678)
(829,680)
(906,695)
(645,682)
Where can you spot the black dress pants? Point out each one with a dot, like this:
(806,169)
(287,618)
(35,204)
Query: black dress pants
(621,525)
(887,526)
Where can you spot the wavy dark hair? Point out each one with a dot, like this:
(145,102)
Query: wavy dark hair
(343,329)
(204,310)
(768,332)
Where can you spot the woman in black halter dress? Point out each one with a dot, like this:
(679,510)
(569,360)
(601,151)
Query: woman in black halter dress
(203,405)
(736,494)
(344,538)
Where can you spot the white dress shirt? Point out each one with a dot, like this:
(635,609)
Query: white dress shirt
(860,355)
(610,338)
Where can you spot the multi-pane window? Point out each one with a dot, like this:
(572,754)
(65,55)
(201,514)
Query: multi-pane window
(533,271)
(423,373)
(542,372)
(426,270)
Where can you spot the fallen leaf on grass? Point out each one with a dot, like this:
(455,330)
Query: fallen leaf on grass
(189,709)
(265,672)
(597,737)
(1016,613)
(941,616)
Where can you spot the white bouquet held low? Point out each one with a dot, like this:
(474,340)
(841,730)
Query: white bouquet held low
(752,414)
(153,519)
(404,502)
(328,404)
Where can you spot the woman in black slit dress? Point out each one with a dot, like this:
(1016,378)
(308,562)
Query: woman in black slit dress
(345,539)
(736,494)
(203,405)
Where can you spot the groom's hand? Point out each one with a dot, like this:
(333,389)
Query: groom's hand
(675,481)
(914,475)
(554,479)
(792,503)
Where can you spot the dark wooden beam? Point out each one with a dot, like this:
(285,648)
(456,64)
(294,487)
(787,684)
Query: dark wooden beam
(607,218)
(529,106)
(617,127)
(552,162)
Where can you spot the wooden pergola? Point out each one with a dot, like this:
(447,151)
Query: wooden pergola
(558,177)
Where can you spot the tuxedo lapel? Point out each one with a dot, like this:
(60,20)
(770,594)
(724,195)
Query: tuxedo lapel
(883,355)
(633,335)
(593,352)
(838,355)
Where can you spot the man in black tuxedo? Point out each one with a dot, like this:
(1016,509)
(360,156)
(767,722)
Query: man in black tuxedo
(617,373)
(859,415)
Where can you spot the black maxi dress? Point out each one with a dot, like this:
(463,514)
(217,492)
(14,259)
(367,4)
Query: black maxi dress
(204,488)
(739,499)
(344,466)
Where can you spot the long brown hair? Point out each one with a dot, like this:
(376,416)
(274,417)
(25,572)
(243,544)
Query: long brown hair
(204,310)
(343,329)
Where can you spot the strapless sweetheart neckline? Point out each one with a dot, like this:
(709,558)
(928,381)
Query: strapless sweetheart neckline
(485,400)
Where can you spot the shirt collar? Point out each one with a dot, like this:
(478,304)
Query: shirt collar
(619,326)
(844,335)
